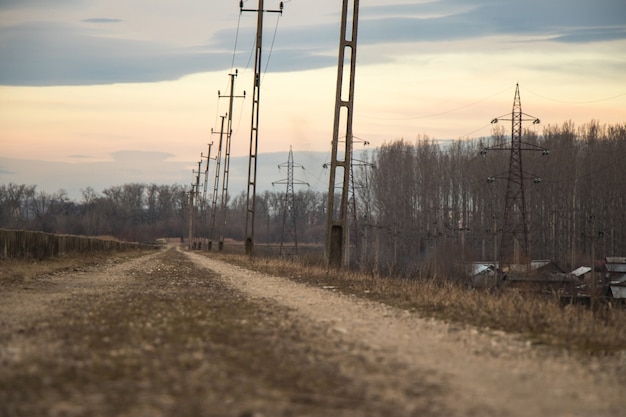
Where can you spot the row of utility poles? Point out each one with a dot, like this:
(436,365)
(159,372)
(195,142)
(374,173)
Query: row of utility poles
(198,206)
(514,247)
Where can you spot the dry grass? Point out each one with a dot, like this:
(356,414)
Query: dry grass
(542,320)
(16,272)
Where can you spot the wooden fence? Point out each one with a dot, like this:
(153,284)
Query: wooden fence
(23,244)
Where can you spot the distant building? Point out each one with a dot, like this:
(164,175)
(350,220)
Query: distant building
(616,270)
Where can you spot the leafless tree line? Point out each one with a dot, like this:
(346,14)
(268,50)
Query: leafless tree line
(433,202)
(133,212)
(414,204)
(144,212)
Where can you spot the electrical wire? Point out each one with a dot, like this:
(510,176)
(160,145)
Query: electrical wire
(424,116)
(604,167)
(217,110)
(318,178)
(575,102)
(474,131)
(240,117)
(269,55)
(232,63)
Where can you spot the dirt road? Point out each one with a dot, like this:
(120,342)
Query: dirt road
(181,334)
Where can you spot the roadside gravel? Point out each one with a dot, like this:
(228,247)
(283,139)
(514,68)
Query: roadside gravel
(176,333)
(477,372)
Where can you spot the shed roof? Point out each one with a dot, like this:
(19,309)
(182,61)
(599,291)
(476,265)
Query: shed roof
(581,271)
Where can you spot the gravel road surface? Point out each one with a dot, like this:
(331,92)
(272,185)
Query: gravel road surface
(173,333)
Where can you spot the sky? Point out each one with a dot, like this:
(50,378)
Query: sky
(100,93)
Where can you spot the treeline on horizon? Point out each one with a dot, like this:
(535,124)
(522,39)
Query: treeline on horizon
(413,203)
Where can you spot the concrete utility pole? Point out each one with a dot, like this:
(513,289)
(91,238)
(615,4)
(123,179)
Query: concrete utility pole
(289,205)
(254,130)
(229,132)
(337,221)
(196,197)
(218,159)
(204,206)
(514,244)
(190,222)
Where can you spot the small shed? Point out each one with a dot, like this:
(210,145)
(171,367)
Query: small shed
(616,269)
(581,271)
(545,266)
(482,274)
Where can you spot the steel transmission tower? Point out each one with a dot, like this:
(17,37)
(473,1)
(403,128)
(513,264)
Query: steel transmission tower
(254,130)
(337,221)
(289,206)
(514,244)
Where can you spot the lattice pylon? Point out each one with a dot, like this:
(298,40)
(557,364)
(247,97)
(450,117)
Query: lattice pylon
(289,229)
(515,226)
(514,243)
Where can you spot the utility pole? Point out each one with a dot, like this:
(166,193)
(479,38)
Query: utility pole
(514,244)
(289,205)
(204,207)
(337,221)
(190,222)
(254,130)
(216,183)
(352,202)
(196,196)
(229,133)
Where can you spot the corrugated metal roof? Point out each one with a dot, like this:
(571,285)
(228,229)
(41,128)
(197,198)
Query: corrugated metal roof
(478,268)
(615,260)
(580,271)
(619,279)
(539,263)
(618,292)
(616,267)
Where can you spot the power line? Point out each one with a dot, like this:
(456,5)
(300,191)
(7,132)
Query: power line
(232,63)
(424,116)
(269,55)
(576,102)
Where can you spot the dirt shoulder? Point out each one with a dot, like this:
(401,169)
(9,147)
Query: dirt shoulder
(482,372)
(173,333)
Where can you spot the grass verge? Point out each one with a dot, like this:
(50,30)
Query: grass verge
(541,320)
(173,340)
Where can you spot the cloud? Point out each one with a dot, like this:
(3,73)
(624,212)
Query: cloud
(149,168)
(74,176)
(102,20)
(143,156)
(43,54)
(25,4)
(445,20)
(592,35)
(40,53)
